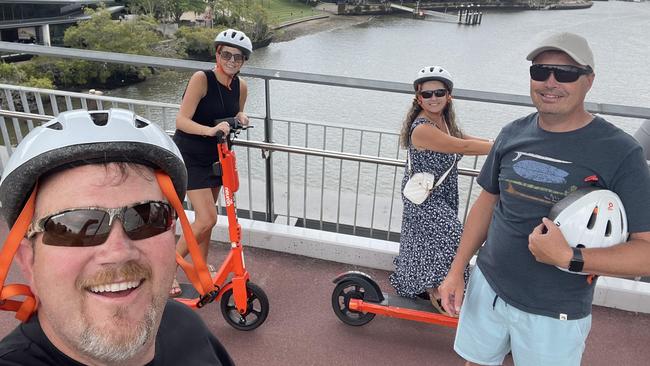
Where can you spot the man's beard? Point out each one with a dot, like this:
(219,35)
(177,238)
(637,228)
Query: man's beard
(107,345)
(117,348)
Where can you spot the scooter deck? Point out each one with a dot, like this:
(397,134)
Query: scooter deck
(397,307)
(406,303)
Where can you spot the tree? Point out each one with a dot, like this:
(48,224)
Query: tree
(173,9)
(101,33)
(246,15)
(166,9)
(145,7)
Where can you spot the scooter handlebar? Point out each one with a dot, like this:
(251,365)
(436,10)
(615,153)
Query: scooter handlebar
(235,126)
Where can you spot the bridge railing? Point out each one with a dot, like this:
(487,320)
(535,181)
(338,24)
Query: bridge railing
(314,174)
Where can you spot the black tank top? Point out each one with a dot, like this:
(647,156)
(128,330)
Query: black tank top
(218,102)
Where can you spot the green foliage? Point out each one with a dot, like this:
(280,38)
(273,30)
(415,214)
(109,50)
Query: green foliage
(285,10)
(41,83)
(199,40)
(249,16)
(173,9)
(101,33)
(166,9)
(18,75)
(10,74)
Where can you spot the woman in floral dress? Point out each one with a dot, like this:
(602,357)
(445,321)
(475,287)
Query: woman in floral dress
(431,230)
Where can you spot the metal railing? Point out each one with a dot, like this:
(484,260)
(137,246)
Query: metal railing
(320,176)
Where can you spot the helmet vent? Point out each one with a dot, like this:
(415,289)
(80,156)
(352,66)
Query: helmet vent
(55,126)
(608,229)
(100,119)
(140,123)
(592,218)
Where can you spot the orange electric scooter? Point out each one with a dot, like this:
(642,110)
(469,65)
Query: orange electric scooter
(357,298)
(244,305)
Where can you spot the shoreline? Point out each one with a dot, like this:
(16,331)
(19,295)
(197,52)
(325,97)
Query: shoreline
(312,26)
(308,27)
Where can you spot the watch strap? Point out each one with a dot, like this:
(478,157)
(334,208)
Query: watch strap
(577,262)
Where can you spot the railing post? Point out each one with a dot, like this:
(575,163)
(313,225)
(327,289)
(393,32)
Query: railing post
(268,137)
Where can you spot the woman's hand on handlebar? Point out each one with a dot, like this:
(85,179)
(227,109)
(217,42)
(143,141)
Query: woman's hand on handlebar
(223,126)
(243,118)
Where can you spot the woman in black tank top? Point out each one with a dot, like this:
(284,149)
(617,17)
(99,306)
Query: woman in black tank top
(210,96)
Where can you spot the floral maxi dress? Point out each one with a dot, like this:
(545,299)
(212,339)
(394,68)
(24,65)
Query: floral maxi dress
(431,230)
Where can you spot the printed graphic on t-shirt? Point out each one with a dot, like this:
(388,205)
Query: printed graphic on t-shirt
(538,178)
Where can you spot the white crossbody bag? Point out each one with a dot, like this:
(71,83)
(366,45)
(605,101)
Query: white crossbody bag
(420,185)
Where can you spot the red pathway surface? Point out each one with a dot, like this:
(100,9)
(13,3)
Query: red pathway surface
(302,329)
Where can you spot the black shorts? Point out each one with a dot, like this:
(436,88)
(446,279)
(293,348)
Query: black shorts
(200,173)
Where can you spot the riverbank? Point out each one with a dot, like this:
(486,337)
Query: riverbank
(312,26)
(332,22)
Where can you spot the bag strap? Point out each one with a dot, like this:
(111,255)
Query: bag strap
(444,176)
(408,160)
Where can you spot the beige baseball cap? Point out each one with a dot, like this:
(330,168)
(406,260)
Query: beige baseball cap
(572,44)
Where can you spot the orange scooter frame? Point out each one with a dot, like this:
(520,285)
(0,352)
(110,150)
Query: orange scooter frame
(357,298)
(244,305)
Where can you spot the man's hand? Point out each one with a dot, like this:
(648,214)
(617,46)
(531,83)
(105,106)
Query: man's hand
(452,290)
(549,246)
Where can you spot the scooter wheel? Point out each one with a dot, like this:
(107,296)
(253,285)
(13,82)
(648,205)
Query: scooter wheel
(341,296)
(257,308)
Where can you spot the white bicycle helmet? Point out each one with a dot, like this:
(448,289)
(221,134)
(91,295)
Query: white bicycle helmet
(82,137)
(235,38)
(591,217)
(434,73)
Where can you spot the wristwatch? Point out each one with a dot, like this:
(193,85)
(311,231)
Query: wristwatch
(577,262)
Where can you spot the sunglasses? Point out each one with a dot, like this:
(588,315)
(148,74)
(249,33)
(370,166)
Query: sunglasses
(562,73)
(227,56)
(426,94)
(86,227)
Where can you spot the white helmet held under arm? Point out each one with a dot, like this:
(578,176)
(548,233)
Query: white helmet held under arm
(591,217)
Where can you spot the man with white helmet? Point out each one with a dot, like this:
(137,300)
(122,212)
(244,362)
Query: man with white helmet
(92,231)
(517,300)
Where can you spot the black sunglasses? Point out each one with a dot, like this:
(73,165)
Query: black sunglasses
(562,73)
(85,227)
(426,94)
(227,56)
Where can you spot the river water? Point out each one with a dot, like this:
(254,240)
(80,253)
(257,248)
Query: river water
(489,57)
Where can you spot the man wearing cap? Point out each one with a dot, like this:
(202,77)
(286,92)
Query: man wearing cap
(517,300)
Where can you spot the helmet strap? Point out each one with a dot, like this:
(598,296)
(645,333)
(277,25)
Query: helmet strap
(198,273)
(24,309)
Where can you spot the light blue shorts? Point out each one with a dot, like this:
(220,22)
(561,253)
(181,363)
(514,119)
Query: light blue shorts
(489,328)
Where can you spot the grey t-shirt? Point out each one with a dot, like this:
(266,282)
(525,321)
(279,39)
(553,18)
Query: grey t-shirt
(531,169)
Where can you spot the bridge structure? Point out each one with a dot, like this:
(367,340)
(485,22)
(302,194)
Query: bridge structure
(294,250)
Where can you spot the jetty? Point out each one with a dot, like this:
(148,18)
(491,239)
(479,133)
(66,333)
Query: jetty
(467,16)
